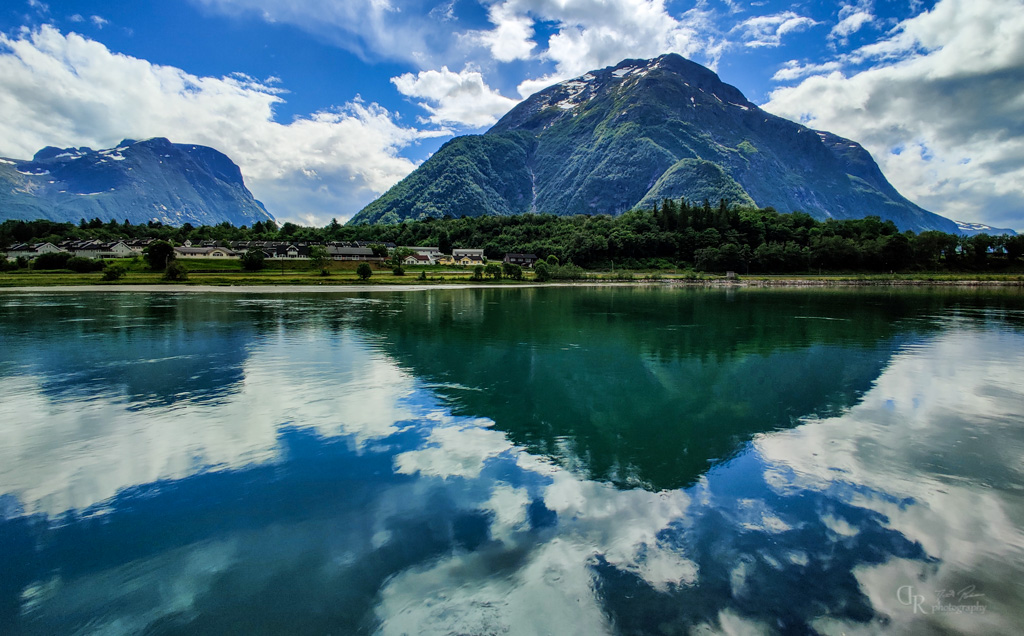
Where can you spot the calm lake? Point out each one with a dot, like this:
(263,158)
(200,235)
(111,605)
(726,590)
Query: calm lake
(513,461)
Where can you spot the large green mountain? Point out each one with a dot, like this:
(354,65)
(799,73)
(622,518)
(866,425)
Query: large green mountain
(638,132)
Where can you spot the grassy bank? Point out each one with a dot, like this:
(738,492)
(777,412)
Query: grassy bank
(226,272)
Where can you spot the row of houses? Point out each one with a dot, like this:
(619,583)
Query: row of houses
(85,249)
(272,250)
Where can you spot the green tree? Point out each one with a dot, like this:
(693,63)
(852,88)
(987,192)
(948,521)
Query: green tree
(541,272)
(52,260)
(444,242)
(83,265)
(159,255)
(320,259)
(253,260)
(398,256)
(493,270)
(1014,246)
(114,271)
(511,270)
(175,272)
(478,272)
(364,271)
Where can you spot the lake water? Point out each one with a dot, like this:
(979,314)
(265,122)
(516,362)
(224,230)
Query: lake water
(520,461)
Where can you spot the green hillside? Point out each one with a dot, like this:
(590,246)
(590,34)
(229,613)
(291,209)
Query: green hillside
(627,136)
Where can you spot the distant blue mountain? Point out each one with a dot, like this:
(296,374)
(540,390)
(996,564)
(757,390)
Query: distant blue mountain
(141,181)
(631,135)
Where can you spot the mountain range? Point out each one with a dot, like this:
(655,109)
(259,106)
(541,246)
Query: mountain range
(141,181)
(633,134)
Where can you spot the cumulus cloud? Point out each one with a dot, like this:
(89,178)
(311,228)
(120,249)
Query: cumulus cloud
(455,98)
(593,34)
(65,90)
(511,37)
(768,30)
(940,106)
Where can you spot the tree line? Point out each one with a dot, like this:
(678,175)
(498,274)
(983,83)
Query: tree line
(674,233)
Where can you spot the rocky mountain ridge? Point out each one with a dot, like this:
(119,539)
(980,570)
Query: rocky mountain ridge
(141,181)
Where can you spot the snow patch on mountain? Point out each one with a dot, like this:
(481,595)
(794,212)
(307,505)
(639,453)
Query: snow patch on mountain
(970,229)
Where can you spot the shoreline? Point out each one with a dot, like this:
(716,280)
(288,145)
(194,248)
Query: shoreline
(384,287)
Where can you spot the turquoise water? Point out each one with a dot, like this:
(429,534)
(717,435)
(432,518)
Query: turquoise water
(563,461)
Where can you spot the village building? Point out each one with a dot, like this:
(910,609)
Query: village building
(204,252)
(523,260)
(417,259)
(467,256)
(339,253)
(97,249)
(31,251)
(432,253)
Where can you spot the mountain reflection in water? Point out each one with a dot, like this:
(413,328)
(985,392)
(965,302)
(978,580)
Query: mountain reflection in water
(531,461)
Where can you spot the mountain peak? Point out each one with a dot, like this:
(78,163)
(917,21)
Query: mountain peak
(631,134)
(634,80)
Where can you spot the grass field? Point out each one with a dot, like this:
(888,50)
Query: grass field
(227,272)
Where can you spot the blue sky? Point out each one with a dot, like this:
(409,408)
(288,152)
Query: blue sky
(325,104)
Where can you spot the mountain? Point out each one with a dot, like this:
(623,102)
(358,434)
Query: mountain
(638,132)
(141,181)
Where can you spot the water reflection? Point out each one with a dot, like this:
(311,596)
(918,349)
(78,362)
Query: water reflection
(376,467)
(642,387)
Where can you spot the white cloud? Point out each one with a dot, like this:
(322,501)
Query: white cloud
(56,469)
(852,18)
(768,30)
(511,37)
(372,29)
(956,390)
(99,21)
(794,70)
(455,98)
(941,109)
(593,34)
(69,90)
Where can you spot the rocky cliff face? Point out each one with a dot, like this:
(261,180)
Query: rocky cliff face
(638,132)
(141,181)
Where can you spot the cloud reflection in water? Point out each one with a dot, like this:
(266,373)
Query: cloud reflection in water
(334,489)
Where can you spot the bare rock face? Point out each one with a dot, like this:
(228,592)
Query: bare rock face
(141,181)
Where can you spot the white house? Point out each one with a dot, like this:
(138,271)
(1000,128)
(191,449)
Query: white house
(418,259)
(31,251)
(96,249)
(431,253)
(204,252)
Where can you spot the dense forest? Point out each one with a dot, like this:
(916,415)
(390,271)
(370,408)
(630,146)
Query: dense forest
(671,234)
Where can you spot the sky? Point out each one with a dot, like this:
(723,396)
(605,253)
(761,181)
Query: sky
(325,104)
